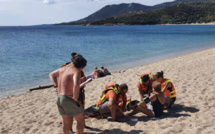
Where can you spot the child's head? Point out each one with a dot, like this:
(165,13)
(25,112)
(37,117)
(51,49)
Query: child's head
(156,86)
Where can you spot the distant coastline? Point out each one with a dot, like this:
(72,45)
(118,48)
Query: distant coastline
(182,13)
(210,23)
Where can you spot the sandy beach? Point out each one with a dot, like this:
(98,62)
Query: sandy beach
(193,76)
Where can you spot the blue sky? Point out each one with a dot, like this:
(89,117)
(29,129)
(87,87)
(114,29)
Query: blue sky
(33,12)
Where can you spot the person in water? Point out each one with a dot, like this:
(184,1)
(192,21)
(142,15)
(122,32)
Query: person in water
(151,106)
(67,81)
(167,88)
(105,71)
(145,84)
(110,99)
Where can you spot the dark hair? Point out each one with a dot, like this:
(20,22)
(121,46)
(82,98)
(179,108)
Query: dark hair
(157,86)
(145,78)
(159,74)
(74,55)
(79,62)
(123,86)
(102,67)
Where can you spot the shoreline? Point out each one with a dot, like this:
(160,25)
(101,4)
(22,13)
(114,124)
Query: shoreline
(122,24)
(155,59)
(193,111)
(43,25)
(114,69)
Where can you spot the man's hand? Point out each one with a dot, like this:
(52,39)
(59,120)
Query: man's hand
(56,90)
(53,76)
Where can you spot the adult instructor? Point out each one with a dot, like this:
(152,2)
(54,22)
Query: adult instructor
(67,81)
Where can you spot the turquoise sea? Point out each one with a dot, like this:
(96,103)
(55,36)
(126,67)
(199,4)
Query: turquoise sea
(28,54)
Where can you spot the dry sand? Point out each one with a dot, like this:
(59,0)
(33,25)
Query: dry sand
(194,111)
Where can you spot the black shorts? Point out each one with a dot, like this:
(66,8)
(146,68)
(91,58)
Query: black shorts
(81,95)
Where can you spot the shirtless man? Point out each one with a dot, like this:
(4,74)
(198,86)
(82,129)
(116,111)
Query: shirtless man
(67,81)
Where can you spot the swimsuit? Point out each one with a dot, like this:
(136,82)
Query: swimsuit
(68,106)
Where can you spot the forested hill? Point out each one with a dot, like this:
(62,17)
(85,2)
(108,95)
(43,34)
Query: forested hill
(182,13)
(120,9)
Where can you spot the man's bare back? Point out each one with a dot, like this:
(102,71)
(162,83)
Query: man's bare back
(69,78)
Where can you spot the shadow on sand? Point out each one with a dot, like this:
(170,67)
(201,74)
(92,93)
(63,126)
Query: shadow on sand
(174,112)
(177,108)
(113,131)
(119,131)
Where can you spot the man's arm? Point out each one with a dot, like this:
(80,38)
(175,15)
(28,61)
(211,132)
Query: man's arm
(141,94)
(83,78)
(140,91)
(162,99)
(76,86)
(112,107)
(84,83)
(169,84)
(124,99)
(53,76)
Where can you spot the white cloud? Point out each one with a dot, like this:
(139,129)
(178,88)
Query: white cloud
(48,1)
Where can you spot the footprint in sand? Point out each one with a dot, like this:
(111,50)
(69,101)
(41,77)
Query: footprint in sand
(48,123)
(35,130)
(26,130)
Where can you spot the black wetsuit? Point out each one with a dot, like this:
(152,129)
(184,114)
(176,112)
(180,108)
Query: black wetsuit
(157,107)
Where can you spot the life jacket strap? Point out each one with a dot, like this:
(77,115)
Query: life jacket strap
(141,82)
(115,89)
(151,76)
(166,82)
(97,107)
(172,92)
(103,98)
(173,96)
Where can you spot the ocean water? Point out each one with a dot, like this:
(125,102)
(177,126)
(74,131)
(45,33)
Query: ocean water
(29,54)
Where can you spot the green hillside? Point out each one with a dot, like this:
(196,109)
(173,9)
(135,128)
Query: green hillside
(182,13)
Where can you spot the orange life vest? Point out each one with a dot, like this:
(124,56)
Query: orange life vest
(168,93)
(103,99)
(146,89)
(151,77)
